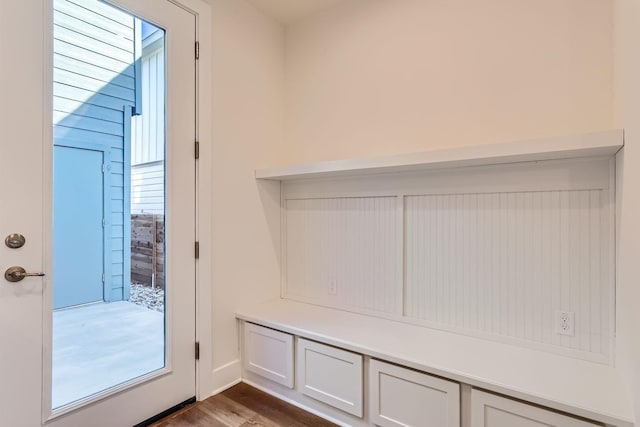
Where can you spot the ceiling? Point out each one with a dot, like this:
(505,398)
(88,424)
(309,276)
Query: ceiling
(288,11)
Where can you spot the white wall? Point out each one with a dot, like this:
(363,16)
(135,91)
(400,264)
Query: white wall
(247,131)
(376,77)
(627,115)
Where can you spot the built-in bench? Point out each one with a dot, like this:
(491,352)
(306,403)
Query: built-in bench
(363,370)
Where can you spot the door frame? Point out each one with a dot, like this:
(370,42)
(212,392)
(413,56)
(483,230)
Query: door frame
(203,169)
(106,203)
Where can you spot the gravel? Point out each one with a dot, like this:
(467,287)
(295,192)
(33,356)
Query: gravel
(146,296)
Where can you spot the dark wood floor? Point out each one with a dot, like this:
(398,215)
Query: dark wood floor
(242,406)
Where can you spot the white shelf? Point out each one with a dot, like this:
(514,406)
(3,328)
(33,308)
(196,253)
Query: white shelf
(586,145)
(579,387)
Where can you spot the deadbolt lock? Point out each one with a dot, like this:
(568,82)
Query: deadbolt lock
(15,241)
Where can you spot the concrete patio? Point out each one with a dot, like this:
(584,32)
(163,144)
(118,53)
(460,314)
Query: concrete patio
(98,346)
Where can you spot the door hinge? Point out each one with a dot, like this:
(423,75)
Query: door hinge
(197,350)
(197,250)
(104,222)
(197,50)
(103,278)
(197,150)
(104,168)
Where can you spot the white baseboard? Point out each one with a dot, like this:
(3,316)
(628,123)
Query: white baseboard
(225,376)
(296,403)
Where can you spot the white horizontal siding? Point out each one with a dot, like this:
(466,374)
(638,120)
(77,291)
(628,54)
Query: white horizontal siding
(100,15)
(350,241)
(147,188)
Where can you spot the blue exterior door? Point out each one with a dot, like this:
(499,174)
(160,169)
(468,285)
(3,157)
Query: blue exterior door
(78,230)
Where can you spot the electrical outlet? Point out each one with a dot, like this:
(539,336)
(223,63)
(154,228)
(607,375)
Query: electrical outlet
(333,287)
(565,323)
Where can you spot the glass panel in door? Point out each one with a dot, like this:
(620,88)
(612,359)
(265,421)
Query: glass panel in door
(108,201)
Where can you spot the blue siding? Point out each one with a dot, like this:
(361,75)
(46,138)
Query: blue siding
(94,81)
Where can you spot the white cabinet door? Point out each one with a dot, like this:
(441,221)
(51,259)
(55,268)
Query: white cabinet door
(490,410)
(269,353)
(402,397)
(330,375)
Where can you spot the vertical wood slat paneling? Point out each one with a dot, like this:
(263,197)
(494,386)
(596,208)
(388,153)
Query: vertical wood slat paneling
(352,241)
(149,128)
(503,263)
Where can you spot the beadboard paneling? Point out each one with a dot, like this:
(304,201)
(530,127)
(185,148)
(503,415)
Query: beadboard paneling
(491,252)
(352,241)
(503,263)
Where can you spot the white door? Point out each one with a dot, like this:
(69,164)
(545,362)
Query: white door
(26,153)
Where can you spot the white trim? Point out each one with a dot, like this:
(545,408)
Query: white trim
(203,319)
(226,386)
(47,187)
(224,377)
(584,145)
(613,242)
(205,373)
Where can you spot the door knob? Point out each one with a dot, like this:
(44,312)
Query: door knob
(16,274)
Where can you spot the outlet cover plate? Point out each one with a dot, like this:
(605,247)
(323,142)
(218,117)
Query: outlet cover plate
(333,287)
(565,323)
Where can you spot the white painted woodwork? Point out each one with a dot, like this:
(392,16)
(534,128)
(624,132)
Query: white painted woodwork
(21,304)
(503,263)
(551,175)
(401,397)
(490,410)
(176,382)
(268,353)
(584,145)
(587,389)
(489,251)
(25,368)
(330,375)
(348,243)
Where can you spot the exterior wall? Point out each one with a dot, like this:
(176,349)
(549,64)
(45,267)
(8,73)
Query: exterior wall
(147,144)
(148,131)
(94,80)
(147,188)
(369,78)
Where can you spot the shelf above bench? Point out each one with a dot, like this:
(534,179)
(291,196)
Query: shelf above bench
(605,143)
(591,390)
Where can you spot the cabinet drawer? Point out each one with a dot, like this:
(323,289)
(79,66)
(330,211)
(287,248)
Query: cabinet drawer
(490,410)
(269,354)
(402,397)
(330,375)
